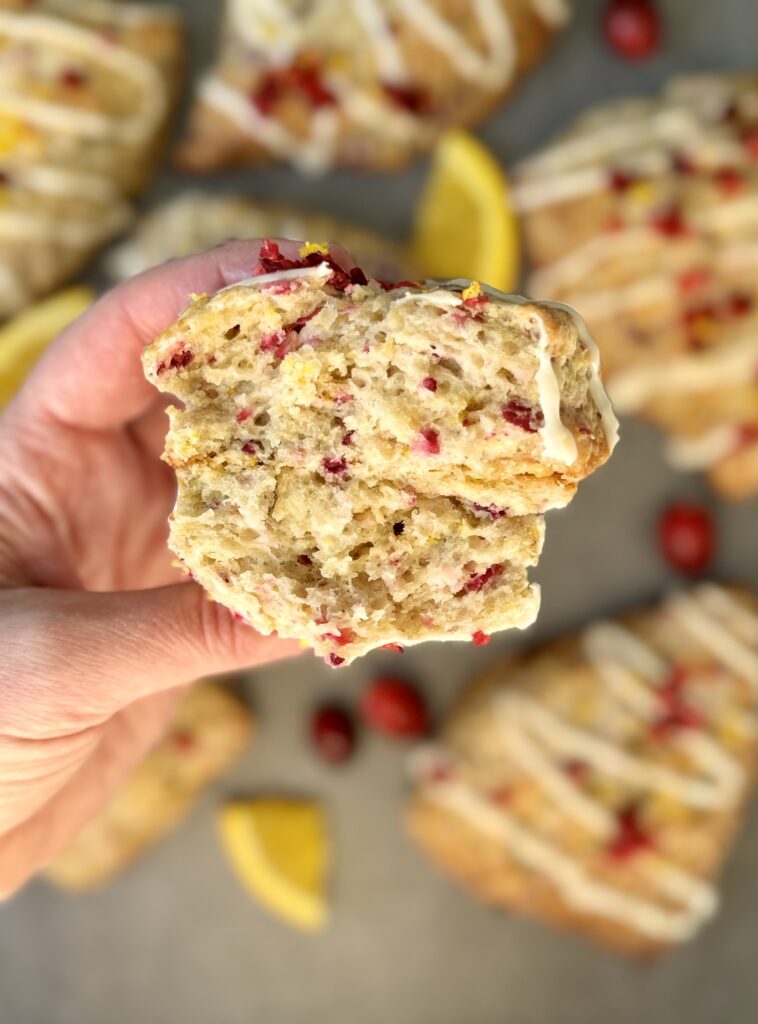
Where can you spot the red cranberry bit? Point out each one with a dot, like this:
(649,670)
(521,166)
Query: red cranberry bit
(397,648)
(632,28)
(73,78)
(334,466)
(271,260)
(341,638)
(271,341)
(394,707)
(415,101)
(249,448)
(243,415)
(427,442)
(480,639)
(479,580)
(429,384)
(304,560)
(525,417)
(750,142)
(630,838)
(333,733)
(299,78)
(347,439)
(686,535)
(621,181)
(181,358)
(334,660)
(669,223)
(398,528)
(683,164)
(677,713)
(693,280)
(475,301)
(492,511)
(739,304)
(183,741)
(730,182)
(390,286)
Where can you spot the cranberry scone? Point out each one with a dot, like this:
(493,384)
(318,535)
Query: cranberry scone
(194,221)
(644,217)
(364,463)
(597,783)
(86,88)
(366,83)
(210,730)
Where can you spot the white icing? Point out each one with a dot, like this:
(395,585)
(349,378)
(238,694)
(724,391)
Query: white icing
(557,440)
(265,25)
(25,225)
(571,879)
(731,363)
(704,450)
(123,13)
(48,31)
(55,181)
(389,60)
(606,641)
(553,12)
(296,273)
(697,618)
(392,122)
(723,605)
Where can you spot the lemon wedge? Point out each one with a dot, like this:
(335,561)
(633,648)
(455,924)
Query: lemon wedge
(465,224)
(24,338)
(279,849)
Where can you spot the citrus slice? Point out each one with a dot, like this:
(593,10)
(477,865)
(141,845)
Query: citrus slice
(465,225)
(279,849)
(24,338)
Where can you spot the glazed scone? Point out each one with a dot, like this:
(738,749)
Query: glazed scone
(209,732)
(86,91)
(367,83)
(597,783)
(363,464)
(194,221)
(644,217)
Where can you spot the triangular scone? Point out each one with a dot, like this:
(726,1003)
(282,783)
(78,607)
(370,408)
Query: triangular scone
(363,464)
(210,730)
(194,221)
(644,217)
(596,783)
(86,87)
(367,83)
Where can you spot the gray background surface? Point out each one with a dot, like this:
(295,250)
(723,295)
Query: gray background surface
(175,941)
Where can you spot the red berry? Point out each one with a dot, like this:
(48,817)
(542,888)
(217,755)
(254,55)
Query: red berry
(426,442)
(480,639)
(632,28)
(730,182)
(429,383)
(686,536)
(333,733)
(630,838)
(395,708)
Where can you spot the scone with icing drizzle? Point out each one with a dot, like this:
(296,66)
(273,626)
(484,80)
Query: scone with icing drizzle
(596,783)
(365,463)
(210,730)
(644,217)
(367,83)
(194,221)
(85,94)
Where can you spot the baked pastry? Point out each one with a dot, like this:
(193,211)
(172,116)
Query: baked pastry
(645,218)
(86,88)
(365,463)
(367,83)
(209,732)
(195,221)
(596,783)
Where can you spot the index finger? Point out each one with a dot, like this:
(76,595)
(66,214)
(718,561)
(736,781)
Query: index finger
(91,377)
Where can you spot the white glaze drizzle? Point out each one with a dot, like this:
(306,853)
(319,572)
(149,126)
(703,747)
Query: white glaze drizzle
(557,440)
(704,450)
(555,13)
(322,270)
(26,225)
(49,31)
(697,618)
(387,54)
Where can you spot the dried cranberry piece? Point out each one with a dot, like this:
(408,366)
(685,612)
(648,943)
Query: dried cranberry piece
(429,384)
(333,733)
(630,838)
(414,100)
(492,511)
(480,639)
(347,439)
(687,537)
(334,466)
(427,442)
(525,417)
(479,580)
(271,260)
(250,448)
(180,359)
(394,707)
(632,28)
(334,660)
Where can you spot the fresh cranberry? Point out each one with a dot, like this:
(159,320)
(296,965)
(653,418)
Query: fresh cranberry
(480,639)
(730,182)
(621,181)
(669,223)
(181,358)
(492,511)
(271,259)
(299,78)
(429,384)
(394,707)
(415,101)
(687,535)
(250,448)
(525,417)
(243,415)
(334,467)
(347,439)
(341,638)
(630,838)
(333,733)
(427,442)
(632,28)
(479,580)
(334,660)
(397,648)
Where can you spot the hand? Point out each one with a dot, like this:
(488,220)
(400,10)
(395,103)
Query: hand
(98,632)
